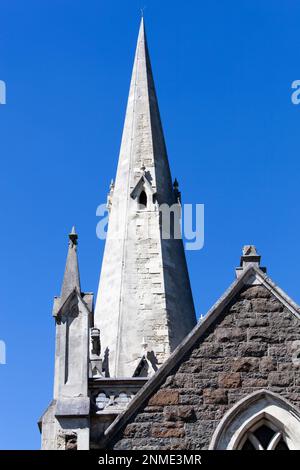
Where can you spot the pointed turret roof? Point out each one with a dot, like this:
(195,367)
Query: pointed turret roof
(71,278)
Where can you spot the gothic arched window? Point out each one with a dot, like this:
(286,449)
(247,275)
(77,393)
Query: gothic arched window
(262,420)
(263,436)
(142,200)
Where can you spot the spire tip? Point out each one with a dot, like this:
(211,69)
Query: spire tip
(142,12)
(73,235)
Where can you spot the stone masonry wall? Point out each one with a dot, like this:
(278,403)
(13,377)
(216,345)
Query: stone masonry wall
(254,344)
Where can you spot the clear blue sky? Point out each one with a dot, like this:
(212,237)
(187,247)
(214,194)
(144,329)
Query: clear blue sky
(223,74)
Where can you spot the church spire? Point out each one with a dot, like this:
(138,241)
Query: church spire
(71,279)
(143,142)
(144,289)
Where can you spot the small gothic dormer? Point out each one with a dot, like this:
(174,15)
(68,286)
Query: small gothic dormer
(143,192)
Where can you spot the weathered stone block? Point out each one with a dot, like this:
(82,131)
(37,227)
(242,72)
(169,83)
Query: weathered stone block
(187,414)
(183,381)
(255,349)
(281,379)
(278,351)
(216,365)
(191,396)
(216,396)
(259,334)
(245,364)
(230,380)
(208,350)
(275,306)
(262,320)
(291,334)
(149,417)
(260,305)
(165,397)
(267,364)
(229,334)
(255,292)
(227,321)
(255,383)
(137,430)
(182,413)
(168,430)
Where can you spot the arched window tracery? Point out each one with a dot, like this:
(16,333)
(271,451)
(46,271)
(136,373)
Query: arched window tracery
(262,420)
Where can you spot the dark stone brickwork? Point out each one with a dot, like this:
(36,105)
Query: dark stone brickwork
(252,345)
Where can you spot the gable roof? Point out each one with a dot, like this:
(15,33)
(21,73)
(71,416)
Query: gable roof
(251,275)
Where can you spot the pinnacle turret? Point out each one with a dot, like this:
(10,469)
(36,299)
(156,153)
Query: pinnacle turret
(71,278)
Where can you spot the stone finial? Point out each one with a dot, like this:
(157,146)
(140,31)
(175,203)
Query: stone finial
(249,250)
(73,236)
(249,257)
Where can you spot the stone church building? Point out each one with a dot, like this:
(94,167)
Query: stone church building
(138,371)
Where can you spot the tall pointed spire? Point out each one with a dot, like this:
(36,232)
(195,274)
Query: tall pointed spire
(144,289)
(71,277)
